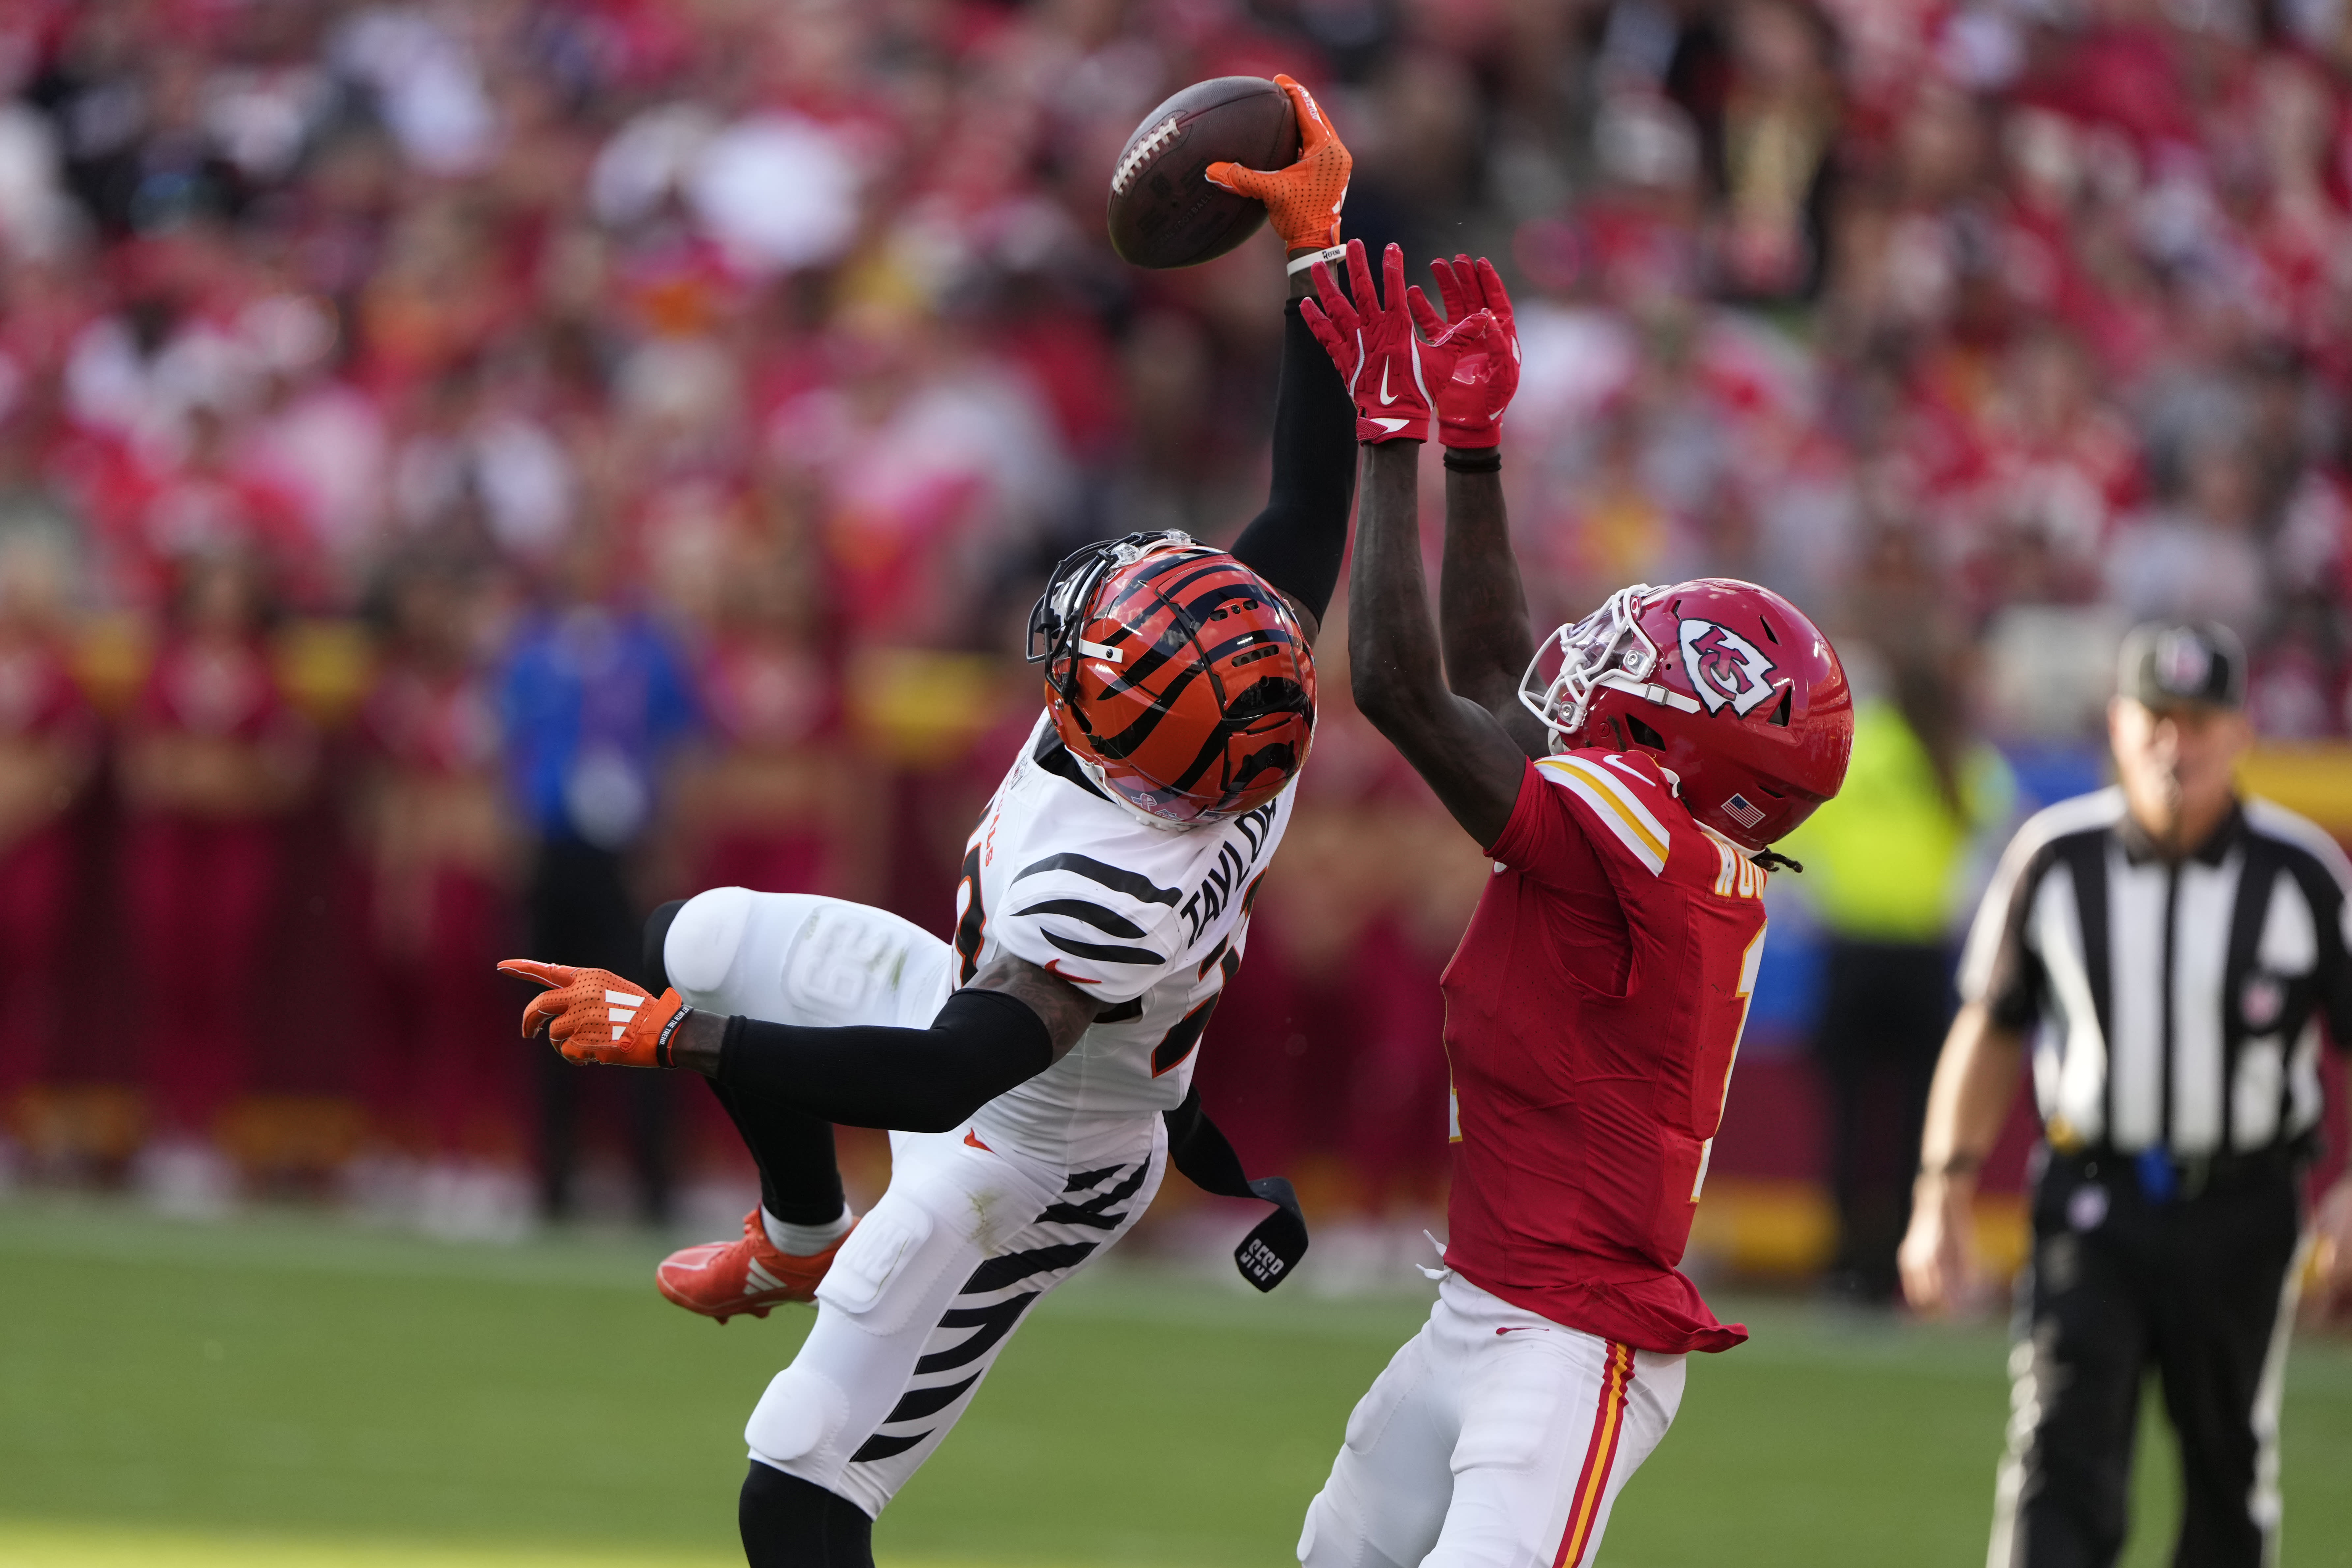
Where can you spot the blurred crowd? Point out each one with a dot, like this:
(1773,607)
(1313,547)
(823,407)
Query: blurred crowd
(470,471)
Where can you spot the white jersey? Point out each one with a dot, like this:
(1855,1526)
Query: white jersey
(1149,920)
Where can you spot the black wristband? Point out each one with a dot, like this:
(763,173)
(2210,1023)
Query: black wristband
(669,1031)
(1475,459)
(1956,1165)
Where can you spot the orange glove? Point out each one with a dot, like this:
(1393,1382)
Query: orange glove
(594,1015)
(1303,201)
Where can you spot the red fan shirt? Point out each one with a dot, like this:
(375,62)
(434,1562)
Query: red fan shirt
(1592,1015)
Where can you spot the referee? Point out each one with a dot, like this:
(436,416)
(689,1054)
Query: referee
(2173,953)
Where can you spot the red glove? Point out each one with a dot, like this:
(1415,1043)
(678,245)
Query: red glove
(1470,404)
(1303,200)
(594,1015)
(1389,370)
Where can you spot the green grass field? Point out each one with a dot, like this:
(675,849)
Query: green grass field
(284,1391)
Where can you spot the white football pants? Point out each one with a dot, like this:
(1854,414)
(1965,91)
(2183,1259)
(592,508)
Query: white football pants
(928,1291)
(1495,1438)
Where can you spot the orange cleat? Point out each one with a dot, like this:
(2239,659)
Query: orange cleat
(721,1278)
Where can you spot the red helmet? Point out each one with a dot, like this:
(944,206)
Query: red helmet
(1732,688)
(1178,680)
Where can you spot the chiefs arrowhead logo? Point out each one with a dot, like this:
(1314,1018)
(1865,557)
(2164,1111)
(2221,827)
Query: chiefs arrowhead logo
(1726,667)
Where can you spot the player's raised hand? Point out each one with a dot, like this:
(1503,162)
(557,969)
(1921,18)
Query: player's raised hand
(594,1016)
(1389,370)
(1302,201)
(1470,404)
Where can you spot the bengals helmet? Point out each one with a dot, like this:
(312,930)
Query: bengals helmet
(1727,684)
(1180,681)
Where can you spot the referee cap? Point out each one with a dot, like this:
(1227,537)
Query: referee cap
(2166,663)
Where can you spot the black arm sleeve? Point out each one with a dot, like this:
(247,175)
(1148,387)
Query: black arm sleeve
(915,1081)
(1297,541)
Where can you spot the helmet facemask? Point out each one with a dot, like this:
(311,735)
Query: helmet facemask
(1606,649)
(1058,619)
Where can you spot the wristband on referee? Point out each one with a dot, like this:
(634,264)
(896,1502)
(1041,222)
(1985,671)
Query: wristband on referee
(1333,255)
(1475,459)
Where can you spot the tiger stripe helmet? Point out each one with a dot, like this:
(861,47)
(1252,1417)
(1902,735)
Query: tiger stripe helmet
(1180,681)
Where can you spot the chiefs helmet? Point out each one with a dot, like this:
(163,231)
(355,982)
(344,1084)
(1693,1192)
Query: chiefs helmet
(1178,680)
(1732,688)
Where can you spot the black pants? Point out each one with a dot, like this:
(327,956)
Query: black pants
(2119,1284)
(1885,1008)
(580,914)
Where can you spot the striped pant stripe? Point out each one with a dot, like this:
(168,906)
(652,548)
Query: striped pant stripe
(2264,1504)
(1600,1457)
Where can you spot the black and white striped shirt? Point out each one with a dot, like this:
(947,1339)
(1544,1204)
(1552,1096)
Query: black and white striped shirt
(2175,1005)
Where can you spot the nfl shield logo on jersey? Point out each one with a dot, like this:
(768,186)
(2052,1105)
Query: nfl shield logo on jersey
(2261,1000)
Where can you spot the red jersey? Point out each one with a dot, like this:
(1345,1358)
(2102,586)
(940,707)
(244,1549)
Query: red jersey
(1592,1015)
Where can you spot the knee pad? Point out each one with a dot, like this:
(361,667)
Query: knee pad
(699,941)
(848,963)
(797,1416)
(656,965)
(787,1523)
(1331,1537)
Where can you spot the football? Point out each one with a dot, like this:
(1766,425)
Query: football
(1163,211)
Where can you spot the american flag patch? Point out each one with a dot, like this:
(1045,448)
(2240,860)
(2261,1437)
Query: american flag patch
(1741,812)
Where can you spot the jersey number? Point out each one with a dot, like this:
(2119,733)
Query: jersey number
(1749,962)
(1177,1043)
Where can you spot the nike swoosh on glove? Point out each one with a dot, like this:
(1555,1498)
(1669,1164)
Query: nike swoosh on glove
(1302,201)
(1388,369)
(594,1016)
(1471,402)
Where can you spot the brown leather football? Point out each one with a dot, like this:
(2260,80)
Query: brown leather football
(1163,212)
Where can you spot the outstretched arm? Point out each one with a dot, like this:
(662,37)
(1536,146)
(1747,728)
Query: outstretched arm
(1482,611)
(1452,741)
(1010,1024)
(1297,542)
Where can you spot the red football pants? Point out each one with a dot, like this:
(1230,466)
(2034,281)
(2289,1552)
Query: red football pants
(198,894)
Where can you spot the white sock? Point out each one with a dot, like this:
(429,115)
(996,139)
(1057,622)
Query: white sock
(804,1240)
